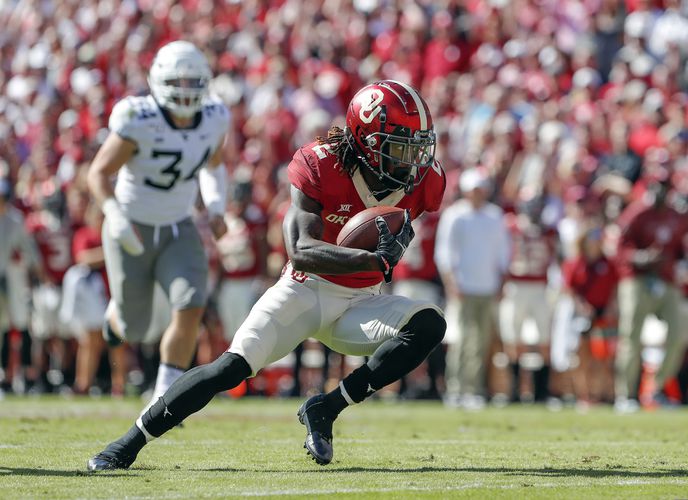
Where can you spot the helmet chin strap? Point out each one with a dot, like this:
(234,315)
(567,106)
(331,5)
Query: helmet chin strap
(378,172)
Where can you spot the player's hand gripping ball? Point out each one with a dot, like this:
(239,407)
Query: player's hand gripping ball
(386,231)
(362,232)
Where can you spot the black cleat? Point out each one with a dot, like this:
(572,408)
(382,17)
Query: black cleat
(318,420)
(107,460)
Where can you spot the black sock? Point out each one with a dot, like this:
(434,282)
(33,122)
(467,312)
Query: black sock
(515,382)
(392,360)
(436,367)
(26,348)
(130,444)
(356,387)
(193,390)
(541,383)
(5,354)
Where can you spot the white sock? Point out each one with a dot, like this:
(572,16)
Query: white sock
(139,424)
(167,374)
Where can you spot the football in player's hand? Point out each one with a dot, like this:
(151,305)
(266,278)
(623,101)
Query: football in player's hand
(361,231)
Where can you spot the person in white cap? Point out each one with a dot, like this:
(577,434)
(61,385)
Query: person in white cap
(472,255)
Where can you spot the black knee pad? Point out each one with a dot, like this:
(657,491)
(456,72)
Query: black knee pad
(425,329)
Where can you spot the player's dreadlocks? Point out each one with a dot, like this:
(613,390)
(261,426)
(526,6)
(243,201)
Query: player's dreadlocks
(342,147)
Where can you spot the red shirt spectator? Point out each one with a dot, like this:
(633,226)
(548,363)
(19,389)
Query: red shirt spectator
(54,244)
(87,238)
(533,249)
(658,229)
(593,281)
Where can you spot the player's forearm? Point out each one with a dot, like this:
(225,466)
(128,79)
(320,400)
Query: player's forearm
(112,155)
(320,257)
(100,186)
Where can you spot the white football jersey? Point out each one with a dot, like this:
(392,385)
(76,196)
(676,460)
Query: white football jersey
(158,185)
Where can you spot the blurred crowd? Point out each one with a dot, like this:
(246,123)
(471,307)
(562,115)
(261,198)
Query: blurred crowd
(563,112)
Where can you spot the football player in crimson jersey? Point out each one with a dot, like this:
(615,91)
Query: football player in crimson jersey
(384,156)
(533,250)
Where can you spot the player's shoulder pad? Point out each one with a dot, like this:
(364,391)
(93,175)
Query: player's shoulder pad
(316,152)
(434,183)
(214,108)
(132,112)
(437,170)
(317,157)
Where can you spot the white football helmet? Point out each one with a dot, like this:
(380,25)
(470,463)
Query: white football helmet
(179,78)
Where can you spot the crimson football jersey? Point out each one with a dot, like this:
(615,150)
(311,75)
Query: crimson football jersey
(594,281)
(418,261)
(643,226)
(54,241)
(239,248)
(532,250)
(315,171)
(87,238)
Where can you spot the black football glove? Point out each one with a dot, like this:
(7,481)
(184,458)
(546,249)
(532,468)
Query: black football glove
(391,248)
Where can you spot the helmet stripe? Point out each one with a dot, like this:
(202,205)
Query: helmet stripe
(419,104)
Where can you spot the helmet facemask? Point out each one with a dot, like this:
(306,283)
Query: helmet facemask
(179,78)
(399,159)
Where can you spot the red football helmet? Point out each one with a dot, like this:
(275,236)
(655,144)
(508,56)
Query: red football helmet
(390,129)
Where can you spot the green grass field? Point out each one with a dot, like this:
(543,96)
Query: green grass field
(382,450)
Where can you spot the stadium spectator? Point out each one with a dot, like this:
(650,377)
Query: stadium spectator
(472,254)
(416,277)
(243,255)
(621,160)
(83,306)
(384,157)
(157,146)
(18,254)
(651,242)
(47,223)
(592,69)
(590,280)
(533,251)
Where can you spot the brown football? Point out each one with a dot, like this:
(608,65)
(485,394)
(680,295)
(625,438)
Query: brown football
(361,231)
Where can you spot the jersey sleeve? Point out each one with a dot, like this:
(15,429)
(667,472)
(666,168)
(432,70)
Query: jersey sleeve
(220,115)
(124,119)
(304,176)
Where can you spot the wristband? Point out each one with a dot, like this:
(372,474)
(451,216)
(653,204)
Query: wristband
(383,263)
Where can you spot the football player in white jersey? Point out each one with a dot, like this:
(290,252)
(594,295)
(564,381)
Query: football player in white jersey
(159,145)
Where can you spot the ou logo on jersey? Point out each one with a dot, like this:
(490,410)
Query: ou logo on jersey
(371,107)
(337,219)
